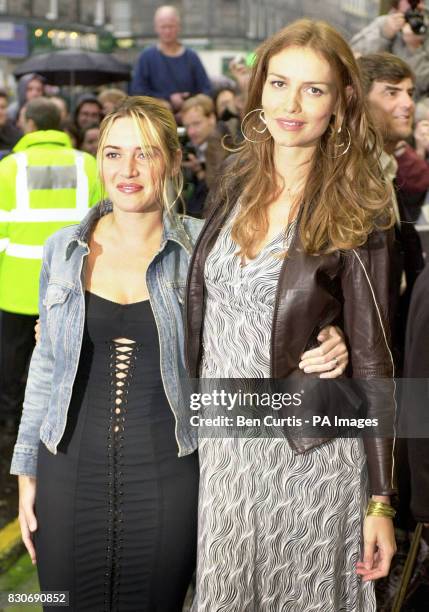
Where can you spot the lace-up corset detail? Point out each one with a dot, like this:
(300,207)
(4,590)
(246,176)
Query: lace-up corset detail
(122,343)
(123,357)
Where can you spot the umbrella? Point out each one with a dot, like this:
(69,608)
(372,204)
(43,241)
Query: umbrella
(75,67)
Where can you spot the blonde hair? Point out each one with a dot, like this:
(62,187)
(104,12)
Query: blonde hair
(345,197)
(115,96)
(157,131)
(202,101)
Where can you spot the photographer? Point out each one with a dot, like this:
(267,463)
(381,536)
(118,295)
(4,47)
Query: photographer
(203,153)
(403,32)
(412,157)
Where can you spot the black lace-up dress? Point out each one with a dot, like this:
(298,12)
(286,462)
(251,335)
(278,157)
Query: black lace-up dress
(116,507)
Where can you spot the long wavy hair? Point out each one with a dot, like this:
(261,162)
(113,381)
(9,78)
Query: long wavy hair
(345,197)
(157,130)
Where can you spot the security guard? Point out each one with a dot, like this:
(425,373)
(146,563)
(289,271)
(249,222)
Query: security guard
(44,185)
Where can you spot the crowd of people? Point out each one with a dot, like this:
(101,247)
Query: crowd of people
(318,150)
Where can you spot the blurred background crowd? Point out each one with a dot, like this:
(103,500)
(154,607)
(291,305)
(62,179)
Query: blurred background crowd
(204,81)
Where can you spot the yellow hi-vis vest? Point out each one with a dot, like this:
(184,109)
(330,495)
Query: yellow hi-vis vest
(44,186)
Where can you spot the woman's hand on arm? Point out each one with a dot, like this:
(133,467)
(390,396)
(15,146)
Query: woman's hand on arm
(379,548)
(330,359)
(26,517)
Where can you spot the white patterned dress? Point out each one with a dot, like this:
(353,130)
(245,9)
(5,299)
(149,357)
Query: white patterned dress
(278,531)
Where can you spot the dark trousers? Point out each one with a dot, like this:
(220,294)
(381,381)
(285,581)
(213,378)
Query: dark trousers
(16,346)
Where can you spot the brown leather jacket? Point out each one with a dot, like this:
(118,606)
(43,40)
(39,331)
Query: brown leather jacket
(349,289)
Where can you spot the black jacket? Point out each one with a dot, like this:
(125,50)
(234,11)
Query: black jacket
(350,289)
(9,136)
(417,366)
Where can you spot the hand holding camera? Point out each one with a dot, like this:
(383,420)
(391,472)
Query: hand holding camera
(421,136)
(414,16)
(393,24)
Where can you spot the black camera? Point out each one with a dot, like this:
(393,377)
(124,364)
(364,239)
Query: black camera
(416,19)
(189,149)
(186,145)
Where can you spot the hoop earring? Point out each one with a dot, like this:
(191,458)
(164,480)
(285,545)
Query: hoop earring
(341,145)
(264,129)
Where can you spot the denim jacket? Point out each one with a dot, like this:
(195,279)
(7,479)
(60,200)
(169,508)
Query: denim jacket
(62,314)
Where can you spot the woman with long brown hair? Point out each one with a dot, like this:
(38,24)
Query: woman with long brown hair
(297,238)
(108,476)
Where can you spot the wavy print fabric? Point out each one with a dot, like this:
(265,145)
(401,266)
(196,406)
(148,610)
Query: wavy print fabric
(278,531)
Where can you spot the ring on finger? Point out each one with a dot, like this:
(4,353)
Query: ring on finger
(335,360)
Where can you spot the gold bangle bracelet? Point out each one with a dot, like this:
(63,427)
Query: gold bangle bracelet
(380,509)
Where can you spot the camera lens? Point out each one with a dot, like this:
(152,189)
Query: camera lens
(416,21)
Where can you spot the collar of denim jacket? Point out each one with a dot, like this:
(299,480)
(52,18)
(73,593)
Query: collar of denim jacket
(173,229)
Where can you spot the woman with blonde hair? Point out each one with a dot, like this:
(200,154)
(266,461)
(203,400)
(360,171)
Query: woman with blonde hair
(108,477)
(114,519)
(298,238)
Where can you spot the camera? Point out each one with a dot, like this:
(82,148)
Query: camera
(189,149)
(186,145)
(416,19)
